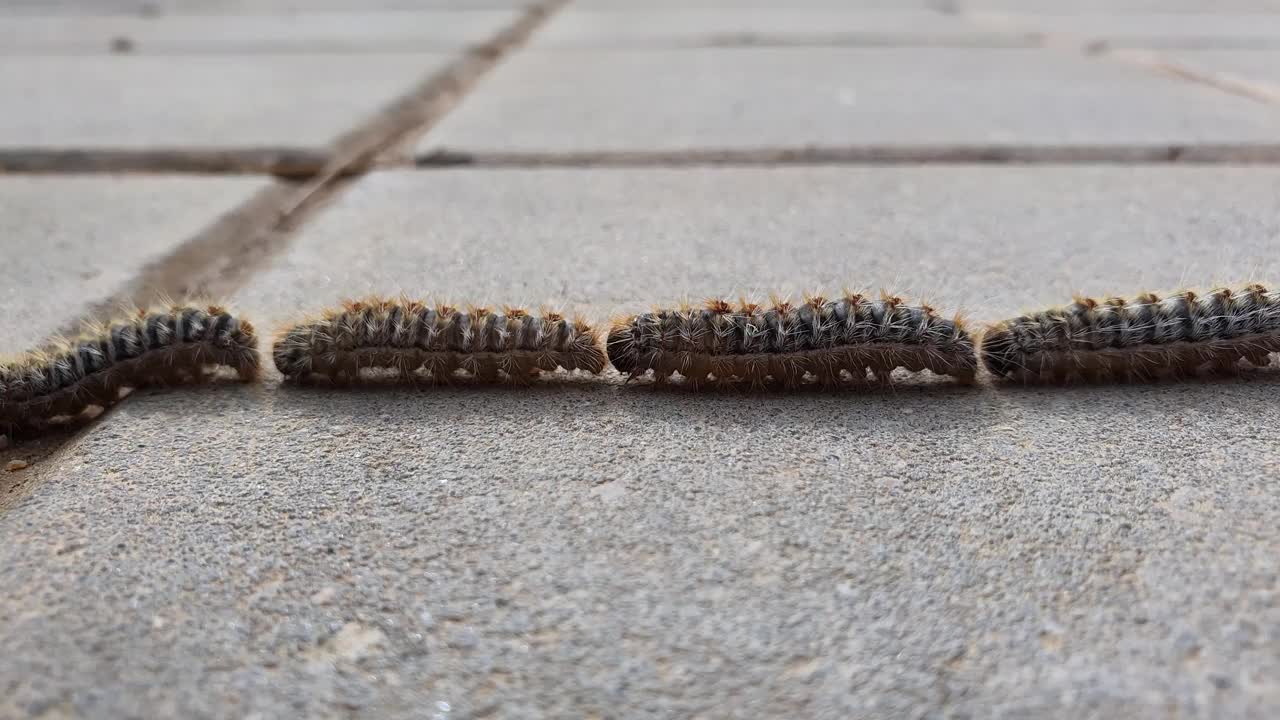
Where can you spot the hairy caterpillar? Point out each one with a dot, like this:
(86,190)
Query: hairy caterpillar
(820,339)
(1148,337)
(424,342)
(180,344)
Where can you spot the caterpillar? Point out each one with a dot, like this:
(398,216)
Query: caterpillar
(419,341)
(829,342)
(1149,337)
(158,346)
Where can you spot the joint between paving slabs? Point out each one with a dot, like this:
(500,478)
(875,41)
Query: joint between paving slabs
(1149,60)
(872,155)
(222,257)
(284,163)
(219,259)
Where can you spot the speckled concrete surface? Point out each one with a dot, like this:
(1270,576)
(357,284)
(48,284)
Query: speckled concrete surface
(201,101)
(754,97)
(159,8)
(310,32)
(595,549)
(1223,30)
(585,548)
(1119,8)
(992,241)
(666,27)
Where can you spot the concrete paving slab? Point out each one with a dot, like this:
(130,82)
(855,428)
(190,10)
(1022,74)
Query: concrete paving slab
(734,5)
(1121,7)
(662,27)
(620,239)
(382,32)
(153,8)
(1262,66)
(1150,30)
(591,548)
(201,101)
(70,242)
(770,97)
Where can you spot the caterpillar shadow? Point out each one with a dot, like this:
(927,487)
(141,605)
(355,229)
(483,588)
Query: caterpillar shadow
(600,411)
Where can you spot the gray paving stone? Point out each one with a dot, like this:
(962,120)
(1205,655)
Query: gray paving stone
(200,100)
(733,5)
(991,240)
(70,242)
(386,32)
(590,548)
(1121,7)
(1165,30)
(645,6)
(1262,66)
(727,98)
(661,27)
(153,8)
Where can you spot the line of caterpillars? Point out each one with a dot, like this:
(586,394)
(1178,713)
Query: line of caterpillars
(852,340)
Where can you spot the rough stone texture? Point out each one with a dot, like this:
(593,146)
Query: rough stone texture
(387,32)
(990,240)
(70,242)
(735,5)
(1164,30)
(1255,65)
(154,8)
(1120,7)
(650,100)
(588,548)
(761,26)
(200,101)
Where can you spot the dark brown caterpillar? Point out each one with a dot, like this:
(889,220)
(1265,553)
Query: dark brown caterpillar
(178,345)
(826,341)
(1149,337)
(423,342)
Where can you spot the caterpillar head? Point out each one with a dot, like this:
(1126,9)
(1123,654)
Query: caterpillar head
(1000,351)
(621,347)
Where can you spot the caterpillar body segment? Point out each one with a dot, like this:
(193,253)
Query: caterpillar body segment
(180,344)
(1148,337)
(831,342)
(436,343)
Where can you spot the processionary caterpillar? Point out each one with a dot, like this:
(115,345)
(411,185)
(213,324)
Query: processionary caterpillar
(818,341)
(162,346)
(825,341)
(1149,337)
(424,342)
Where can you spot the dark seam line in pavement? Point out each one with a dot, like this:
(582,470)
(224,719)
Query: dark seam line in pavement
(222,257)
(1148,59)
(749,40)
(868,40)
(287,163)
(216,261)
(420,110)
(870,155)
(1251,89)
